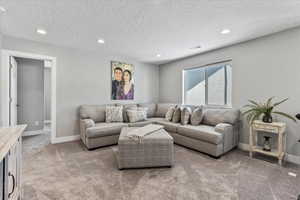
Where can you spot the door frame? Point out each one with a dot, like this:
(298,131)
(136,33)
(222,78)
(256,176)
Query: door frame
(5,86)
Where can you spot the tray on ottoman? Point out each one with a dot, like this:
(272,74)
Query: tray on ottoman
(155,150)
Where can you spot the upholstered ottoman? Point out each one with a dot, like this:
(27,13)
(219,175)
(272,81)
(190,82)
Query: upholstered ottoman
(155,150)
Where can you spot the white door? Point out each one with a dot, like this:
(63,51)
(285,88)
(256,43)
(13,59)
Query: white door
(13,91)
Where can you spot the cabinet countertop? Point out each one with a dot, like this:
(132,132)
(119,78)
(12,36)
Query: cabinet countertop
(8,137)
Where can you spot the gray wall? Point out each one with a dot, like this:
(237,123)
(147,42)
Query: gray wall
(47,93)
(85,78)
(265,67)
(31,93)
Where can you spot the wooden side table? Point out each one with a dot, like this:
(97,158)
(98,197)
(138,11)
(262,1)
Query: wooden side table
(277,128)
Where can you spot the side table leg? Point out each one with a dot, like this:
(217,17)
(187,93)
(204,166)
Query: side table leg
(280,161)
(251,142)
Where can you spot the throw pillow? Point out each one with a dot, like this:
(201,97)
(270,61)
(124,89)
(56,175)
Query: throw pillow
(185,115)
(137,115)
(128,107)
(176,115)
(169,114)
(114,114)
(197,116)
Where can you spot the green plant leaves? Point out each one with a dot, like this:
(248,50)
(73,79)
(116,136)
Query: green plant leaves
(280,102)
(257,109)
(285,115)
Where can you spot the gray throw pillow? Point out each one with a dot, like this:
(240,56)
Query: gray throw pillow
(197,116)
(176,115)
(114,114)
(128,107)
(137,115)
(169,114)
(185,115)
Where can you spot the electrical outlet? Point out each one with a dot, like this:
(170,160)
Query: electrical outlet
(36,123)
(292,174)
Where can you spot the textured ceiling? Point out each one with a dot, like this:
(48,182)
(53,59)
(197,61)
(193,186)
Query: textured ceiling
(143,28)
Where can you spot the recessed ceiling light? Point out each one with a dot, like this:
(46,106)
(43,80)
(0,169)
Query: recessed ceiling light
(100,41)
(2,9)
(41,31)
(158,55)
(225,31)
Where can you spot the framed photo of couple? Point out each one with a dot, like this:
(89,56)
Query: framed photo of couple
(122,82)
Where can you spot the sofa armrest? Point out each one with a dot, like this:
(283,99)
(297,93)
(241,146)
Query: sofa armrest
(88,123)
(223,127)
(228,132)
(84,124)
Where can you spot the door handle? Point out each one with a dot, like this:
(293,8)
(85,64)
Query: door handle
(14,184)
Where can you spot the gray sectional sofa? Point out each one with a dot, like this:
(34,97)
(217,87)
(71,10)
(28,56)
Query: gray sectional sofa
(217,134)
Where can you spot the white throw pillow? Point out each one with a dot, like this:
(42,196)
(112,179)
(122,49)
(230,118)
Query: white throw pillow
(114,114)
(137,115)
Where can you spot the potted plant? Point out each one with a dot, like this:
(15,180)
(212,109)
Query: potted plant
(256,110)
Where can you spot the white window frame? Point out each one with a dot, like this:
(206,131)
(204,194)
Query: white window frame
(226,62)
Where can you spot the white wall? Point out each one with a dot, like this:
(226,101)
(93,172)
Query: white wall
(265,67)
(85,78)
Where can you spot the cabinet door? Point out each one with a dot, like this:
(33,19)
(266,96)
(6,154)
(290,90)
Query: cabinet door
(12,173)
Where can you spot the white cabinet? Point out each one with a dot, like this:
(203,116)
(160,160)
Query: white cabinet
(14,171)
(10,162)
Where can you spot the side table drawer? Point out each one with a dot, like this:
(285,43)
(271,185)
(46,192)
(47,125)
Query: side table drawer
(259,127)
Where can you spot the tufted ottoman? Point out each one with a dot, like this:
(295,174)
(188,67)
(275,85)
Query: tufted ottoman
(155,150)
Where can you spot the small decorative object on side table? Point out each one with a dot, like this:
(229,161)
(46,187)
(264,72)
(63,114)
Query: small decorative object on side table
(267,143)
(266,110)
(277,128)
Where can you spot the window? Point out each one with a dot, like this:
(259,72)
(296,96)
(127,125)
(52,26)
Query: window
(209,85)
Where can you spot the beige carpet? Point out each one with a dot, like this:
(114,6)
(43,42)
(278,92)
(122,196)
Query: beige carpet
(70,172)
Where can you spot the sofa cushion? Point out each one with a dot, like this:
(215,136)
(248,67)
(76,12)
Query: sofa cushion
(177,115)
(151,108)
(94,112)
(169,114)
(168,126)
(201,132)
(162,109)
(197,116)
(192,107)
(136,115)
(140,124)
(128,107)
(114,114)
(185,115)
(104,129)
(217,116)
(154,120)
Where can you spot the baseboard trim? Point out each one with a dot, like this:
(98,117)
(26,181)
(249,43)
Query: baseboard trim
(65,139)
(289,157)
(293,159)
